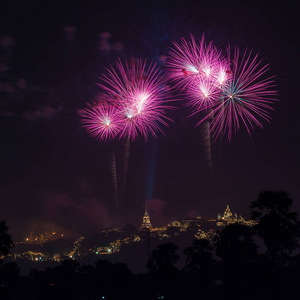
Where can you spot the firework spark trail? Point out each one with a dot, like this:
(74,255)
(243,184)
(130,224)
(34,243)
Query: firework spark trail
(140,98)
(200,71)
(114,178)
(126,161)
(133,103)
(230,91)
(101,122)
(208,146)
(151,167)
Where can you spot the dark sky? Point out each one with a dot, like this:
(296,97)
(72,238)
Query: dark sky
(55,177)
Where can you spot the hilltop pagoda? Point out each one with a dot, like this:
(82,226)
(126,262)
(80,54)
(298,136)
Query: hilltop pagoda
(146,221)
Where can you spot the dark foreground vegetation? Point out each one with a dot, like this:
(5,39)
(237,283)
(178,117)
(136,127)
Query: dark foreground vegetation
(241,262)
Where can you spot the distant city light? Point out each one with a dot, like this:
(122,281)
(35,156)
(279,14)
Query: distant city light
(204,229)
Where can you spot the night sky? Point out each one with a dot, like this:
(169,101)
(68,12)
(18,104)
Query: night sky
(55,177)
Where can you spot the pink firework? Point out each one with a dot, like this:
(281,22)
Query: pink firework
(102,121)
(245,98)
(191,61)
(203,94)
(140,95)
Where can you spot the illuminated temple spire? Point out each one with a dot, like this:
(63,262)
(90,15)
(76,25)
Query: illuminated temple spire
(146,221)
(227,213)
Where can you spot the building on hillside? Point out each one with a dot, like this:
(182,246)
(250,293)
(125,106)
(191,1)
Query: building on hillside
(230,218)
(146,221)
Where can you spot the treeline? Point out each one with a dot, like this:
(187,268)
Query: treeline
(241,262)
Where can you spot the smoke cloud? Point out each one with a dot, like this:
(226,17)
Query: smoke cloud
(157,208)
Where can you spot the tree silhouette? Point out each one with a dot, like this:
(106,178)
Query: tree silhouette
(70,264)
(163,259)
(199,257)
(199,269)
(277,225)
(5,240)
(162,270)
(9,281)
(234,244)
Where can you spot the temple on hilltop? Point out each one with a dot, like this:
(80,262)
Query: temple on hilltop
(227,215)
(229,218)
(146,221)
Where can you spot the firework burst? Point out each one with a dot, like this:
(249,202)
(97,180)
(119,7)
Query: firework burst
(245,98)
(140,95)
(202,94)
(233,91)
(101,121)
(191,61)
